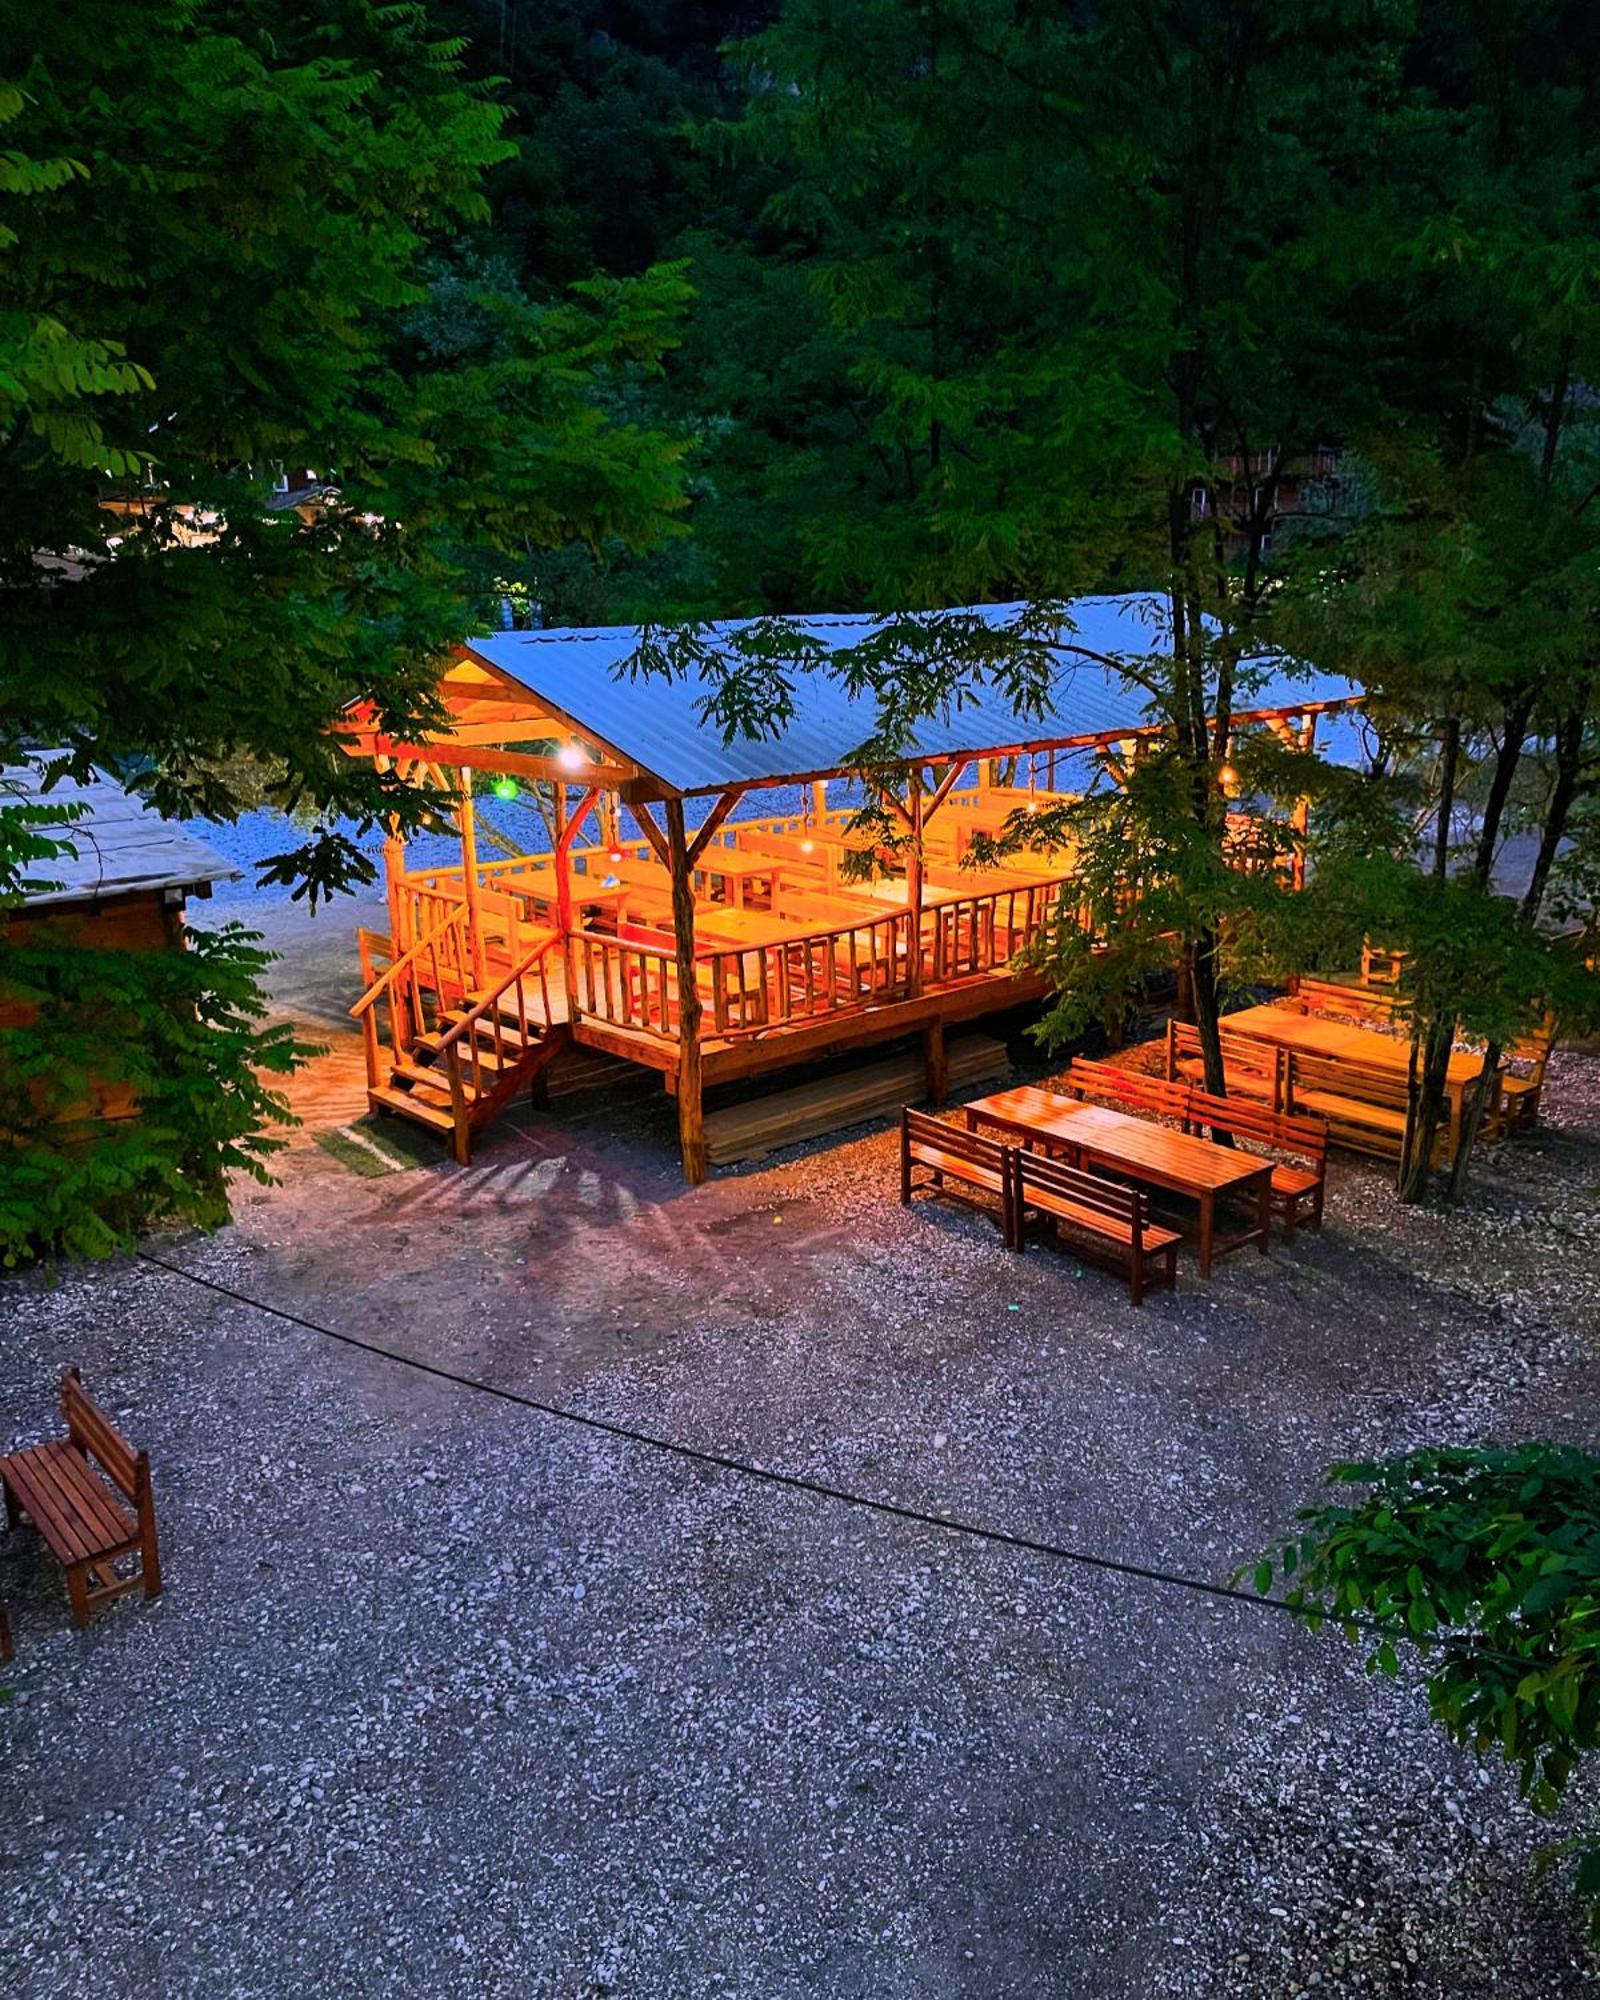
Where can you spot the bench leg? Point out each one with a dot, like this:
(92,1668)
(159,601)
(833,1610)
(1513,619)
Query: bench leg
(78,1593)
(149,1558)
(13,1511)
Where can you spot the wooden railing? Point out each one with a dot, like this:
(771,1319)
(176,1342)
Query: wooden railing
(631,980)
(462,1049)
(627,981)
(439,962)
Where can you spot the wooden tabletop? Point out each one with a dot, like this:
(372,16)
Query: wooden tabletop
(737,863)
(1148,1152)
(747,930)
(1288,1028)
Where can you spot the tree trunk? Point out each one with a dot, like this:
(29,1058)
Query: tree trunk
(1203,985)
(1569,772)
(1426,1078)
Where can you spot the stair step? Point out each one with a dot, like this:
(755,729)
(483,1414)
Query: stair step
(408,1105)
(431,1080)
(493,1057)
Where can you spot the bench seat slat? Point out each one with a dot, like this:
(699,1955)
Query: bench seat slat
(69,1504)
(1351,1110)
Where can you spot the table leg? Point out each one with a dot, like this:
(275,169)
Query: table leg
(1208,1216)
(1264,1214)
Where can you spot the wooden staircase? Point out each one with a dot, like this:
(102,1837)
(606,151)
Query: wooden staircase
(457,1051)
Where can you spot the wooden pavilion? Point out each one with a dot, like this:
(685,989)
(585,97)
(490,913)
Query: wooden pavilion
(672,926)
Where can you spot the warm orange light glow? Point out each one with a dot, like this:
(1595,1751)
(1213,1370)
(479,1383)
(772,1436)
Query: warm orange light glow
(615,854)
(1228,779)
(570,757)
(806,846)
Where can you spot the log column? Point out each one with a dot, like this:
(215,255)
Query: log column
(914,878)
(469,872)
(691,1110)
(394,868)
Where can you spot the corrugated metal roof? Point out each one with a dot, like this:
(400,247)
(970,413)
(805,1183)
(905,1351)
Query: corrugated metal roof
(656,723)
(121,846)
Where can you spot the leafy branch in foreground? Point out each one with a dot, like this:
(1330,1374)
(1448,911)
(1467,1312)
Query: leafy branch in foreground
(179,1035)
(1489,1563)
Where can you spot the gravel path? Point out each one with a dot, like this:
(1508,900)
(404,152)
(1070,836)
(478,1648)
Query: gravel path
(447,1697)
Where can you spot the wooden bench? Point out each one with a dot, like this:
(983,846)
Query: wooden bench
(1517,1099)
(1348,1003)
(951,1154)
(1127,1089)
(90,1523)
(1111,1218)
(1250,1068)
(1295,1187)
(1365,1107)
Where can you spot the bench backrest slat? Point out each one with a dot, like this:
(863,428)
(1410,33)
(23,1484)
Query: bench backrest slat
(1295,1132)
(92,1431)
(1054,1177)
(1355,1003)
(1242,1054)
(1111,1084)
(936,1135)
(1339,1077)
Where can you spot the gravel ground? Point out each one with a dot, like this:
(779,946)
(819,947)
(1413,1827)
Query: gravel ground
(446,1696)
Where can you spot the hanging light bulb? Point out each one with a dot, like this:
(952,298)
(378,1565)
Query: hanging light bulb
(806,846)
(1228,779)
(615,854)
(570,757)
(505,788)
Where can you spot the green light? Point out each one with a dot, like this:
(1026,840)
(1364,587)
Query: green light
(505,788)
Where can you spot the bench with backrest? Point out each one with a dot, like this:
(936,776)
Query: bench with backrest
(1298,1184)
(1108,1222)
(89,1496)
(1365,1107)
(1251,1068)
(958,1163)
(1127,1089)
(1372,1004)
(1517,1102)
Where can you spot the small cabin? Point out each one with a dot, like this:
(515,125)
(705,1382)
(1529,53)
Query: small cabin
(123,887)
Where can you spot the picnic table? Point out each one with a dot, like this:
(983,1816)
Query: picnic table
(1288,1028)
(1153,1155)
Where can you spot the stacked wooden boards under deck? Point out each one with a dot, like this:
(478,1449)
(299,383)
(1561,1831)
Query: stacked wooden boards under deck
(877,1090)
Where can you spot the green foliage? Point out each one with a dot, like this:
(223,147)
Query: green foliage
(182,1034)
(1489,1563)
(270,196)
(240,253)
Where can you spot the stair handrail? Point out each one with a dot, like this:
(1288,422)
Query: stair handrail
(481,1006)
(404,963)
(449,1048)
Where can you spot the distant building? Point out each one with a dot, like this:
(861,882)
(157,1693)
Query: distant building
(123,888)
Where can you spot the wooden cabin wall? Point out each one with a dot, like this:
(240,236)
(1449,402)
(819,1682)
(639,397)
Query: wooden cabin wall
(142,921)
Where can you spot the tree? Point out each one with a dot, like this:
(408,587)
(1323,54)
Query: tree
(1041,302)
(1488,1564)
(220,223)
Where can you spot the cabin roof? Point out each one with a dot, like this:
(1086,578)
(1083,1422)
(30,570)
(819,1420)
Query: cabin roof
(122,846)
(656,724)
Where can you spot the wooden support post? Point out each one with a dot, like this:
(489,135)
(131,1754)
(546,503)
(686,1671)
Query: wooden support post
(691,1111)
(914,879)
(469,879)
(935,1062)
(819,801)
(394,868)
(568,827)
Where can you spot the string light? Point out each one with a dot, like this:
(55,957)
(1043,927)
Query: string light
(570,757)
(505,788)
